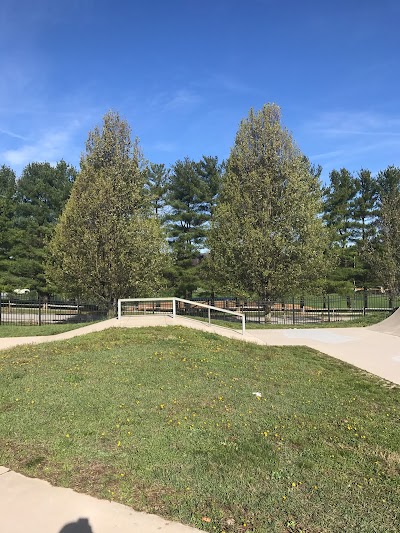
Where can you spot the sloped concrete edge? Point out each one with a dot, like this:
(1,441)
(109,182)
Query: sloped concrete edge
(33,505)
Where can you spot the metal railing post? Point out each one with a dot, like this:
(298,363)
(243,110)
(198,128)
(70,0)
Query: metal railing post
(329,309)
(209,316)
(40,310)
(293,312)
(365,302)
(243,324)
(119,309)
(174,308)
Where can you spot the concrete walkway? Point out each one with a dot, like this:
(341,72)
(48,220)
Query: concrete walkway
(377,353)
(34,506)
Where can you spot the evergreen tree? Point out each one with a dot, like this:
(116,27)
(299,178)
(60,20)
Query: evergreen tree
(266,237)
(157,186)
(7,214)
(338,214)
(41,194)
(107,244)
(364,207)
(210,173)
(192,191)
(338,206)
(364,210)
(384,249)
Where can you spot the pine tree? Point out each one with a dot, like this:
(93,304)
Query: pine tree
(266,237)
(41,194)
(8,188)
(364,207)
(191,198)
(384,249)
(157,186)
(108,244)
(338,205)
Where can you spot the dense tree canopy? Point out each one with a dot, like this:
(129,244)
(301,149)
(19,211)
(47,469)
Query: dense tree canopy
(266,238)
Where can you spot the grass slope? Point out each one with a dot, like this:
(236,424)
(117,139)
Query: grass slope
(165,420)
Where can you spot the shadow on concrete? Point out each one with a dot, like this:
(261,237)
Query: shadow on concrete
(80,526)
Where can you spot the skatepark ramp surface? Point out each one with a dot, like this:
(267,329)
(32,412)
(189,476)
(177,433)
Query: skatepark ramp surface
(390,326)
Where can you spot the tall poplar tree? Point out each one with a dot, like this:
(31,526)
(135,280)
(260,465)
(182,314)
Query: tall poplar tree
(266,238)
(108,244)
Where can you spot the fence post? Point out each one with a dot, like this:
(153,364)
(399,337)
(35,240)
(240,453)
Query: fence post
(293,313)
(329,308)
(209,316)
(365,301)
(40,310)
(173,307)
(119,309)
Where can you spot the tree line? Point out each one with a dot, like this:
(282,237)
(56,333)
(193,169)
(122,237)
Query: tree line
(259,224)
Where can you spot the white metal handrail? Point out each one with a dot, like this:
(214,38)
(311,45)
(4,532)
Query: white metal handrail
(174,314)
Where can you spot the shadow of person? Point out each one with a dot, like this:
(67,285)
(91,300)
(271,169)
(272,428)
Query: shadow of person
(80,526)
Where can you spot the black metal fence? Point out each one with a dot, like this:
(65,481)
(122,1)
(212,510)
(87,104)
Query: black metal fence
(304,310)
(31,309)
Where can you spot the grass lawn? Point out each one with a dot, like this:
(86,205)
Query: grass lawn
(34,331)
(165,420)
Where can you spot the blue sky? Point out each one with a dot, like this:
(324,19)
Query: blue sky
(184,73)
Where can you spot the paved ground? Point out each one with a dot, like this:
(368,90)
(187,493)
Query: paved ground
(34,506)
(377,353)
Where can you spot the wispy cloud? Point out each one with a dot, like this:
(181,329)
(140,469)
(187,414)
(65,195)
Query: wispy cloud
(181,99)
(327,155)
(49,146)
(12,134)
(343,124)
(353,139)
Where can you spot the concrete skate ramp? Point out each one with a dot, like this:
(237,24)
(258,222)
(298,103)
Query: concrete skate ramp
(390,325)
